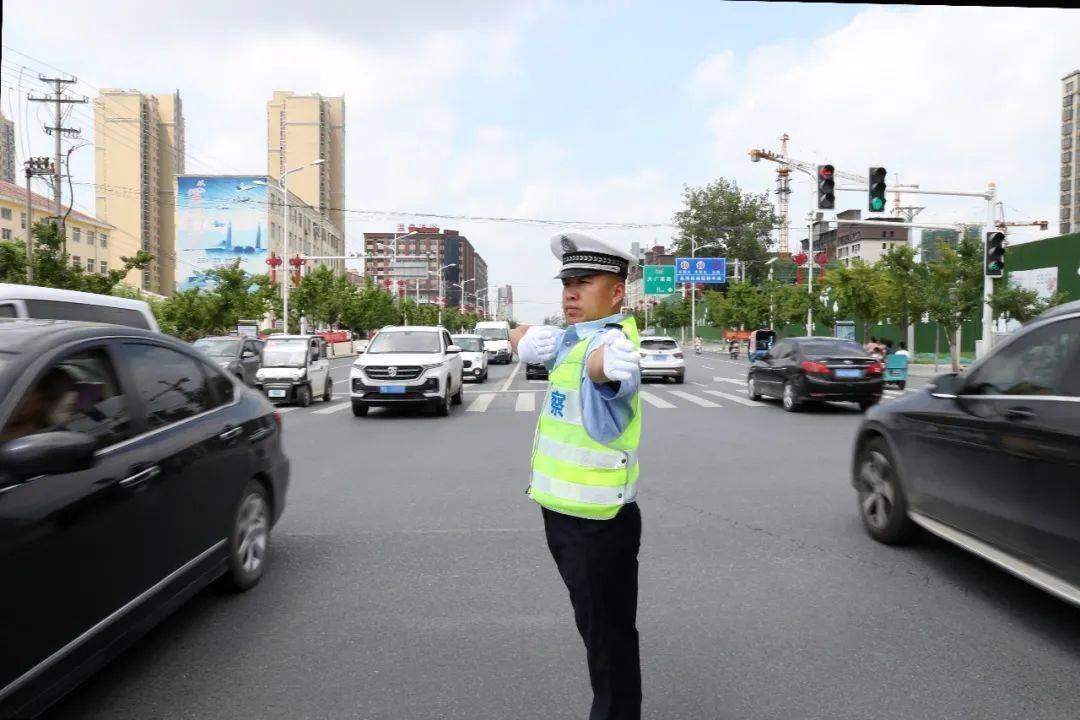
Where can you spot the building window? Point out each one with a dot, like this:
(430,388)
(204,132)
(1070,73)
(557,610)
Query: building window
(1068,88)
(104,268)
(76,261)
(89,265)
(89,237)
(1066,142)
(22,220)
(5,213)
(103,239)
(884,245)
(76,234)
(5,233)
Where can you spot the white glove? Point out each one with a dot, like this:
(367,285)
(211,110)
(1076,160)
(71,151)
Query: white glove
(621,358)
(538,345)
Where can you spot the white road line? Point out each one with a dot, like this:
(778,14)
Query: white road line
(526,402)
(538,382)
(734,398)
(708,367)
(480,404)
(654,400)
(286,409)
(730,380)
(332,409)
(693,398)
(510,379)
(700,384)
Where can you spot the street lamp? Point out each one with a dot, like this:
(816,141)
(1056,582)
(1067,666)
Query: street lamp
(442,300)
(462,285)
(283,186)
(693,289)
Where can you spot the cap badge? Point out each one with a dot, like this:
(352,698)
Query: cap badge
(567,244)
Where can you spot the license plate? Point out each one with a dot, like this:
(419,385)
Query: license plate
(660,357)
(848,373)
(275,393)
(392,389)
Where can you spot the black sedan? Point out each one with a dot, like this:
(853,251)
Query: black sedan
(133,472)
(988,460)
(237,355)
(802,369)
(536,371)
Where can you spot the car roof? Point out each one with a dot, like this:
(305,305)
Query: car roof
(659,337)
(279,336)
(12,291)
(400,328)
(1068,308)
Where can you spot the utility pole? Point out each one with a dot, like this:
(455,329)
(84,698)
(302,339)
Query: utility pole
(57,130)
(34,166)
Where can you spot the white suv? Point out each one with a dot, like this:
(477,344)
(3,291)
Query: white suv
(407,365)
(661,357)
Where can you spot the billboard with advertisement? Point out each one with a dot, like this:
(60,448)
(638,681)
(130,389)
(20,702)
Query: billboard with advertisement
(220,219)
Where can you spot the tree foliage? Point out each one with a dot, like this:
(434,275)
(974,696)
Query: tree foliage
(902,287)
(1021,304)
(855,290)
(954,289)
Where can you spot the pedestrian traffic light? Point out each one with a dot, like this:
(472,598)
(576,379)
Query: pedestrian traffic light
(826,187)
(877,189)
(995,254)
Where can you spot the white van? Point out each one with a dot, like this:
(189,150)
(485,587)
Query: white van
(496,334)
(32,301)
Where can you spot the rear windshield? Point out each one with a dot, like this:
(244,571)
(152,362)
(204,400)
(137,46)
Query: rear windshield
(218,347)
(493,333)
(468,344)
(834,348)
(659,345)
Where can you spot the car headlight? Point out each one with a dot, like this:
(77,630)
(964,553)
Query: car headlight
(301,373)
(431,366)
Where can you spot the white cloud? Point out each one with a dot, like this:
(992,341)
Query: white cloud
(713,74)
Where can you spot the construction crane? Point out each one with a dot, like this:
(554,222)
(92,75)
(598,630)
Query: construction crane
(1003,225)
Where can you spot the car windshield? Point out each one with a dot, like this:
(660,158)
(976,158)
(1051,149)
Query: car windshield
(659,345)
(493,333)
(468,344)
(285,353)
(833,348)
(217,347)
(405,341)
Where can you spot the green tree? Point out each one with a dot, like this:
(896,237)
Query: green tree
(788,304)
(856,292)
(1017,303)
(743,306)
(671,314)
(740,222)
(954,290)
(323,297)
(901,286)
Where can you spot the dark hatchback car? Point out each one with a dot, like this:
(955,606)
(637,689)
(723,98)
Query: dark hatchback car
(133,472)
(536,371)
(988,460)
(802,369)
(237,355)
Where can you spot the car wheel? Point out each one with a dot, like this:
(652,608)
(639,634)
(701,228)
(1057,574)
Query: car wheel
(751,389)
(443,408)
(303,396)
(868,403)
(456,399)
(790,398)
(902,384)
(882,504)
(680,379)
(328,390)
(359,409)
(249,539)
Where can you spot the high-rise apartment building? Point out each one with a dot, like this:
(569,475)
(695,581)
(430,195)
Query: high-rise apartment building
(138,152)
(504,306)
(1070,153)
(422,251)
(300,130)
(7,149)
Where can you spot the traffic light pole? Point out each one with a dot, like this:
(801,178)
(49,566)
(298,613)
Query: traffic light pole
(988,282)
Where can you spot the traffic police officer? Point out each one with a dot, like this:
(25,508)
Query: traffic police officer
(585,462)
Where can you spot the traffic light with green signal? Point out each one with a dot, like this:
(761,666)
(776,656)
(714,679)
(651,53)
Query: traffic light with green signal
(995,254)
(826,187)
(877,189)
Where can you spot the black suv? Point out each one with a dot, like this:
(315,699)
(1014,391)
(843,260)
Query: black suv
(133,472)
(802,369)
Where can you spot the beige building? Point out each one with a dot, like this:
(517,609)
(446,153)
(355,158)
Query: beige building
(89,240)
(139,151)
(1070,153)
(300,130)
(867,243)
(7,149)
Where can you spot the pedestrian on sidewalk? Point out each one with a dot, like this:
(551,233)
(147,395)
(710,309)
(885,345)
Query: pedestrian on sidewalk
(585,466)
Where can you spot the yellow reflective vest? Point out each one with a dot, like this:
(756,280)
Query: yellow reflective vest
(572,473)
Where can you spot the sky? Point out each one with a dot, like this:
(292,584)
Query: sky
(599,112)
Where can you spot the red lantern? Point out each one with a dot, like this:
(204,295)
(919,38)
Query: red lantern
(274,262)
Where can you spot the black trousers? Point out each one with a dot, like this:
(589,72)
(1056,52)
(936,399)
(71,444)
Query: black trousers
(598,562)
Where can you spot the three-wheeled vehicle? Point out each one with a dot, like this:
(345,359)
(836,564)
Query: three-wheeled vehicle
(896,367)
(294,368)
(760,342)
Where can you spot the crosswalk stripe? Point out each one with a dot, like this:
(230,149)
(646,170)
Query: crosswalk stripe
(332,409)
(693,398)
(480,404)
(654,400)
(288,409)
(730,380)
(734,398)
(526,402)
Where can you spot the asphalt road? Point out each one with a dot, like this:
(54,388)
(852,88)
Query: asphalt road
(409,579)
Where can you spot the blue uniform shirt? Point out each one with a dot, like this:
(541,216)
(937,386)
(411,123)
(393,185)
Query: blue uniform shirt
(605,407)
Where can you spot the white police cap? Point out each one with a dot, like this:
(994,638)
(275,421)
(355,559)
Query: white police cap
(583,254)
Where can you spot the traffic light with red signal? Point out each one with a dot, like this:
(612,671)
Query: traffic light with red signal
(826,187)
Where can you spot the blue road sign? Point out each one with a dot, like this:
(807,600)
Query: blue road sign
(700,270)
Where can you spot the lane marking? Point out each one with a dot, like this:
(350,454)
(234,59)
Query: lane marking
(693,398)
(654,400)
(700,384)
(538,382)
(480,404)
(734,398)
(730,380)
(510,379)
(526,402)
(288,409)
(332,409)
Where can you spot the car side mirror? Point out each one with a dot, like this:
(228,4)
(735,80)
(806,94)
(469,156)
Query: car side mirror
(947,384)
(48,453)
(453,349)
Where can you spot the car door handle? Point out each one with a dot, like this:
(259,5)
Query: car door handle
(231,434)
(1019,413)
(140,477)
